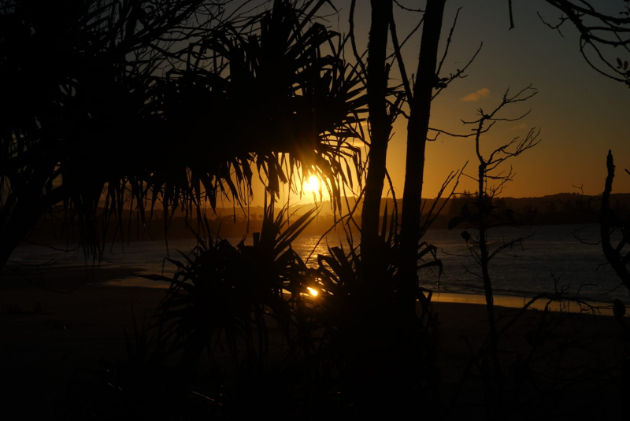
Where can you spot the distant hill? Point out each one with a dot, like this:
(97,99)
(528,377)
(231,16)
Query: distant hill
(562,208)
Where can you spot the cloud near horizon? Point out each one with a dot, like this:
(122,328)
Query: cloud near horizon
(477,95)
(519,127)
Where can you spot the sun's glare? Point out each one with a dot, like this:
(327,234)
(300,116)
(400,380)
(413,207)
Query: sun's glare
(312,184)
(313,291)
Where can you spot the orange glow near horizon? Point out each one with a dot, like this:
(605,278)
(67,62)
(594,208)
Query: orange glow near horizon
(312,184)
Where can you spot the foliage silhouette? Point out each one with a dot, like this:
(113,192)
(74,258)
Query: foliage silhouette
(277,99)
(126,88)
(95,98)
(384,108)
(599,33)
(485,217)
(256,301)
(310,332)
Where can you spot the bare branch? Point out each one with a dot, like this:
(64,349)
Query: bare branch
(408,9)
(400,61)
(444,82)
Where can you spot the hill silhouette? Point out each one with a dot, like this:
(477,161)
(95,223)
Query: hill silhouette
(562,208)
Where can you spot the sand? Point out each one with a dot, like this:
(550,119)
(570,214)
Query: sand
(48,337)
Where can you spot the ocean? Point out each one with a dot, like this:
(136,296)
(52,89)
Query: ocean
(550,258)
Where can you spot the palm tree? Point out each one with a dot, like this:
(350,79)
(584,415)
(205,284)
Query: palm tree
(74,95)
(128,117)
(272,99)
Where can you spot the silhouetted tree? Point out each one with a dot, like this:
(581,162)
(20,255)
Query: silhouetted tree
(380,128)
(76,110)
(426,86)
(276,98)
(417,130)
(611,222)
(600,32)
(126,87)
(487,216)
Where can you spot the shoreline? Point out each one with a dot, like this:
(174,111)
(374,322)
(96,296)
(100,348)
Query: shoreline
(509,301)
(122,281)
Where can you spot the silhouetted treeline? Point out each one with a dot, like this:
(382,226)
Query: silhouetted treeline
(563,208)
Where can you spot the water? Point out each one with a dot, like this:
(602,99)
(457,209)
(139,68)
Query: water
(550,258)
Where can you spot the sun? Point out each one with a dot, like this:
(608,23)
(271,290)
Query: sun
(312,184)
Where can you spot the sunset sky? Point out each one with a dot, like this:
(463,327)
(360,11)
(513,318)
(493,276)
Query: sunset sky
(581,113)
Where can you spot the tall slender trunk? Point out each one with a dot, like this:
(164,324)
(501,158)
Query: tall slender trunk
(380,125)
(487,284)
(417,130)
(614,257)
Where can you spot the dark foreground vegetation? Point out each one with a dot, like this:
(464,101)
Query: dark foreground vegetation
(186,101)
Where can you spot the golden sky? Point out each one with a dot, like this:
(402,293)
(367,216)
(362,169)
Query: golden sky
(581,114)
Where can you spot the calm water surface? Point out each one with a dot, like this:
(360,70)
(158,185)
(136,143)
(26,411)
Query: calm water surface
(550,257)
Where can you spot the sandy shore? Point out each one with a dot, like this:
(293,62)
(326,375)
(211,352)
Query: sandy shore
(41,353)
(42,350)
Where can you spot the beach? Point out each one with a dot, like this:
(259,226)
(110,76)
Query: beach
(49,338)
